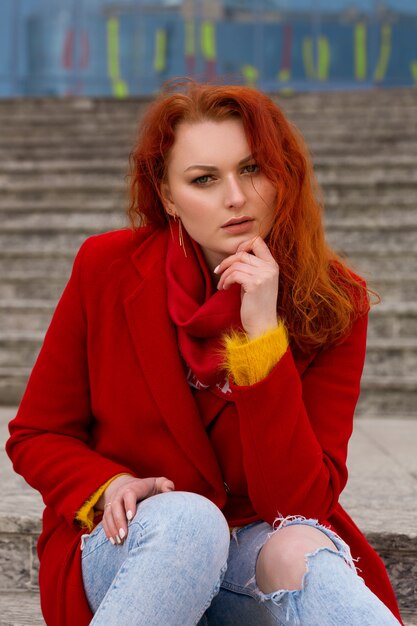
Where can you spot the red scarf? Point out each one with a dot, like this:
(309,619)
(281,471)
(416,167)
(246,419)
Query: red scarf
(200,312)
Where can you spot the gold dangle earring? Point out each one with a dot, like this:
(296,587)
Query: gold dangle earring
(181,238)
(180,235)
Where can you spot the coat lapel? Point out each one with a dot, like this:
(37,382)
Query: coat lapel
(155,343)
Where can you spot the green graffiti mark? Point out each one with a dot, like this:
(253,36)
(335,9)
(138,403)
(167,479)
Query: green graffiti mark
(120,88)
(250,74)
(385,53)
(208,40)
(360,51)
(159,61)
(413,68)
(320,70)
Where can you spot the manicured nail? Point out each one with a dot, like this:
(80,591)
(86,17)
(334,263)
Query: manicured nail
(118,540)
(122,533)
(216,269)
(112,541)
(129,515)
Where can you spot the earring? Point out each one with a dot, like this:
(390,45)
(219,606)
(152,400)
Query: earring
(181,238)
(180,235)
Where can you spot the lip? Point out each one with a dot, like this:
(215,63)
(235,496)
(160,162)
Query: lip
(237,221)
(239,225)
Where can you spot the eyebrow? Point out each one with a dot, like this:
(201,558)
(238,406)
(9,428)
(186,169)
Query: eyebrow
(213,168)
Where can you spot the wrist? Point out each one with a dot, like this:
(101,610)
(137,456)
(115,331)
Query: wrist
(255,333)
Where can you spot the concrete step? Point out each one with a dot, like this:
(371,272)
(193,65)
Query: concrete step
(65,220)
(51,238)
(377,263)
(387,319)
(380,496)
(389,383)
(29,217)
(29,284)
(391,357)
(385,357)
(341,208)
(20,608)
(344,163)
(53,263)
(388,396)
(86,147)
(75,188)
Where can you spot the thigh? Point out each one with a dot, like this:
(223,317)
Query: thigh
(240,601)
(100,562)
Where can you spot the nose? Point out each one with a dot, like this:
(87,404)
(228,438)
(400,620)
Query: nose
(234,194)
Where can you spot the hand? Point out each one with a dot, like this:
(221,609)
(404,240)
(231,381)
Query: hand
(119,502)
(258,275)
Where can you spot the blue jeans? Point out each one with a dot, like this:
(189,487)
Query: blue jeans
(171,571)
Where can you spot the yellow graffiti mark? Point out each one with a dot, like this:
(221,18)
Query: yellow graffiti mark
(324,58)
(120,88)
(208,40)
(320,70)
(250,74)
(159,62)
(189,38)
(360,51)
(284,75)
(385,53)
(413,68)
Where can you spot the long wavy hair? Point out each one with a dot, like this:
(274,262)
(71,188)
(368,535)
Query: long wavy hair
(319,296)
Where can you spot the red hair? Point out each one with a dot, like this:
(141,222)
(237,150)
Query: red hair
(319,296)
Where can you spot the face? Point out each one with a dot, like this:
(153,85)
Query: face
(216,188)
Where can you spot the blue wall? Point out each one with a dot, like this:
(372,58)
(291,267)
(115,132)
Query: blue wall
(122,47)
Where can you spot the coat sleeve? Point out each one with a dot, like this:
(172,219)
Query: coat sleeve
(49,437)
(295,430)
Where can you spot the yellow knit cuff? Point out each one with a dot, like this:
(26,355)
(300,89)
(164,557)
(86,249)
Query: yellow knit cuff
(249,361)
(85,515)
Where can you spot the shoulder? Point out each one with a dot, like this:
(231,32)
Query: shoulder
(103,250)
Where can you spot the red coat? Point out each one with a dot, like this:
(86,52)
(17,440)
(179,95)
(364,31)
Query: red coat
(108,395)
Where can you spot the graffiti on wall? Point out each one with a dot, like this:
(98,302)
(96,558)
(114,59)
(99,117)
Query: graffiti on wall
(291,55)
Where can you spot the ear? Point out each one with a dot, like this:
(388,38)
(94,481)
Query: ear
(167,200)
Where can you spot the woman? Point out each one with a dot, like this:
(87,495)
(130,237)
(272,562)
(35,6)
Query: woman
(198,382)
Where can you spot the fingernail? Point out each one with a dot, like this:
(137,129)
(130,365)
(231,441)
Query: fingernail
(129,515)
(112,541)
(216,269)
(122,533)
(118,540)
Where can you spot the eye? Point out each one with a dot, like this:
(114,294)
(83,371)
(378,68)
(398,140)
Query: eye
(202,180)
(252,168)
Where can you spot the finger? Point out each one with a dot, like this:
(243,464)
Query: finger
(260,249)
(241,256)
(246,245)
(130,500)
(118,524)
(248,282)
(166,485)
(109,525)
(243,268)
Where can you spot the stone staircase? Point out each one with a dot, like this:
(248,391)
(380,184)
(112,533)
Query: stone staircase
(62,168)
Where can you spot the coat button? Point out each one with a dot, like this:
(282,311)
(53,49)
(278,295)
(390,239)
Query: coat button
(226,486)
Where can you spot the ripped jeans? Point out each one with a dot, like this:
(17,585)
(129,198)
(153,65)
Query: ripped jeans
(171,571)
